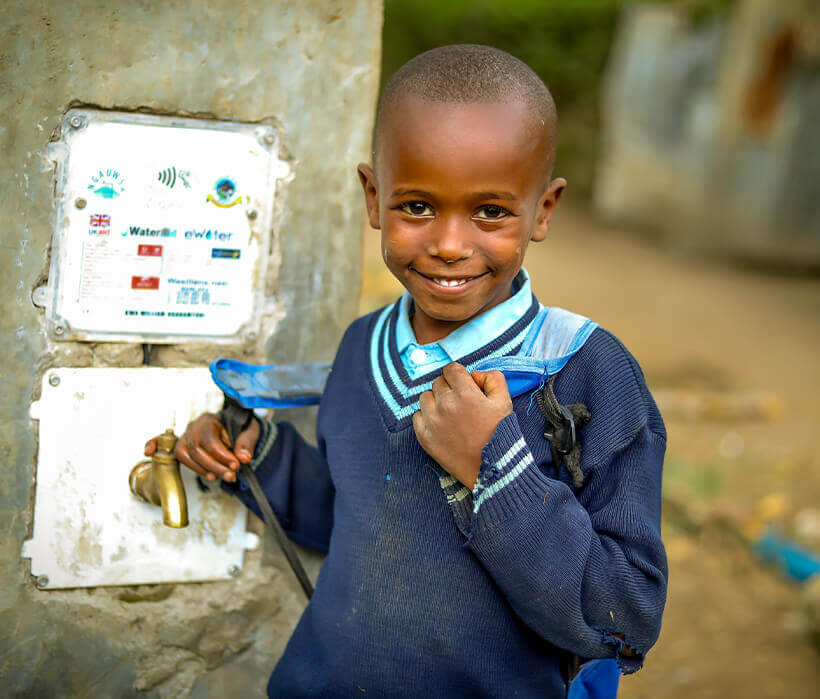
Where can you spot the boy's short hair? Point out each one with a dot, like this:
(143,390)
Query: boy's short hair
(469,73)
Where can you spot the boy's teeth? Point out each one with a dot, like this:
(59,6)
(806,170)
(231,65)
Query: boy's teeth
(450,282)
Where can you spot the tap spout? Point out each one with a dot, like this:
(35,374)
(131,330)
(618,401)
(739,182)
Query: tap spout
(159,482)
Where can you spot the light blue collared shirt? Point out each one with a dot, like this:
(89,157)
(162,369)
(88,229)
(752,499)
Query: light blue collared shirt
(422,359)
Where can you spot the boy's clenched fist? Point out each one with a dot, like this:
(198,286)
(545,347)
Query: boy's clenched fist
(458,417)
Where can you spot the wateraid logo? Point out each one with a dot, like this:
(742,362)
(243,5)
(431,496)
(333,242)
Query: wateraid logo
(207,234)
(151,232)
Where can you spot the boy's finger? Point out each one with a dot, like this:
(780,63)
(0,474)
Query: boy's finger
(426,402)
(246,442)
(492,383)
(150,446)
(181,454)
(418,425)
(439,386)
(209,463)
(218,448)
(457,377)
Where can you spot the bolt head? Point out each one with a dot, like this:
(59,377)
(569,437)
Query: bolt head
(39,296)
(59,330)
(54,380)
(80,203)
(234,571)
(75,122)
(42,581)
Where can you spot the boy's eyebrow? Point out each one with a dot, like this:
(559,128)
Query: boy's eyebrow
(496,195)
(400,192)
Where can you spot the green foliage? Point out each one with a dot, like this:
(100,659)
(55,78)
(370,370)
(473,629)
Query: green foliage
(566,42)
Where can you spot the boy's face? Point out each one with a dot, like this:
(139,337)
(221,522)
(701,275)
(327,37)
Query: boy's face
(459,191)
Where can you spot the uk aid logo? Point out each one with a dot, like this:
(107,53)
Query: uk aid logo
(99,224)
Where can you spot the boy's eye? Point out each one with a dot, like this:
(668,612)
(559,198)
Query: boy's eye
(491,212)
(417,208)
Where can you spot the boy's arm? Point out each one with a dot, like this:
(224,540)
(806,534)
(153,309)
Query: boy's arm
(296,480)
(590,578)
(587,573)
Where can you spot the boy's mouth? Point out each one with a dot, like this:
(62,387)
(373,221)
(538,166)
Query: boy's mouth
(448,282)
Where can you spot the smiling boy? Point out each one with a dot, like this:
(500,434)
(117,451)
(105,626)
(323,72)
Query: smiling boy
(464,558)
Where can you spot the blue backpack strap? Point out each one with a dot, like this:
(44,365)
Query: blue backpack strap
(271,386)
(554,338)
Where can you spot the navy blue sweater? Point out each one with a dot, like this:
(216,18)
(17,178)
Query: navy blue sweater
(431,590)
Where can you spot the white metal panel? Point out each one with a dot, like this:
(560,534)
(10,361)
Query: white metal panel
(89,530)
(162,229)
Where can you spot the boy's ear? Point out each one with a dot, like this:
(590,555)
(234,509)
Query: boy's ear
(546,206)
(371,195)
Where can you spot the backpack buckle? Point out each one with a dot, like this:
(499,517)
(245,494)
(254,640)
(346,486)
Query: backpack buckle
(563,436)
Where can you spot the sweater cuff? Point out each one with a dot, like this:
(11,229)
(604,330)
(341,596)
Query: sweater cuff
(508,479)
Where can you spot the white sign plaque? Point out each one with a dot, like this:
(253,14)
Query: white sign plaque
(163,227)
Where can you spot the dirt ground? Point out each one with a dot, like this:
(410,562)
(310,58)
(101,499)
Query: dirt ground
(731,354)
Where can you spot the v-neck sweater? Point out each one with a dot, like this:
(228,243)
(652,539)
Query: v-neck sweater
(430,589)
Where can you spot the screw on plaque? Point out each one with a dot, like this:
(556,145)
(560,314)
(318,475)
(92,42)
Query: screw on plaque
(54,380)
(75,122)
(252,214)
(80,203)
(234,571)
(269,138)
(39,296)
(42,581)
(59,330)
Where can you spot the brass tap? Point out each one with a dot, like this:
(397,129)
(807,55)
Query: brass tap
(158,481)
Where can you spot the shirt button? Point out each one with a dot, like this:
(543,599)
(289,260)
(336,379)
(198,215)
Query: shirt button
(418,356)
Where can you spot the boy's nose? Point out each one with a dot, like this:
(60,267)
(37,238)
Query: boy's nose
(450,241)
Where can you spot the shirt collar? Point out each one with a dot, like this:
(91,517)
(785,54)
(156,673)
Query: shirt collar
(474,334)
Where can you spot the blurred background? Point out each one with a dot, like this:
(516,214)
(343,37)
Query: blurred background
(690,136)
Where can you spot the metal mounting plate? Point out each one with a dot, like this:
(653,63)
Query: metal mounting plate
(89,529)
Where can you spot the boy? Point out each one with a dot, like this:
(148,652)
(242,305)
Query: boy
(464,559)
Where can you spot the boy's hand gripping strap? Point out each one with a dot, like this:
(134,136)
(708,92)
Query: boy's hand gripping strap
(236,420)
(562,423)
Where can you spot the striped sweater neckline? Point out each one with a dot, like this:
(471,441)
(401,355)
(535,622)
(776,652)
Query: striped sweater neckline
(396,392)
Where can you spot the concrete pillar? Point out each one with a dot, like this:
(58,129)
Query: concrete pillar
(311,69)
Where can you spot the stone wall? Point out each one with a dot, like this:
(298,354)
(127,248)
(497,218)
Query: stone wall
(309,68)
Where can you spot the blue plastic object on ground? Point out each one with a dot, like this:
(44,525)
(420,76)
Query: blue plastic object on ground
(795,561)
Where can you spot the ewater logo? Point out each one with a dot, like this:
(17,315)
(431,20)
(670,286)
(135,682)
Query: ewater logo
(207,234)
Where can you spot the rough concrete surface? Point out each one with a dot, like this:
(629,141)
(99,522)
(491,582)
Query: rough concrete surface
(309,68)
